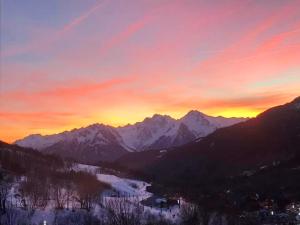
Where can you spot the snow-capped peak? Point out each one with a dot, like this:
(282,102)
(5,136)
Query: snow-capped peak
(198,123)
(195,114)
(157,118)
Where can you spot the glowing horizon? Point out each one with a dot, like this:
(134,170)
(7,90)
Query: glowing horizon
(113,121)
(68,64)
(116,121)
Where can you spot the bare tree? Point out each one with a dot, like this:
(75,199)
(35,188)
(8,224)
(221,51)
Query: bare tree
(14,216)
(59,195)
(88,190)
(35,192)
(190,214)
(123,211)
(70,192)
(5,186)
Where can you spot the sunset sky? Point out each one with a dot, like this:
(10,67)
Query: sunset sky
(71,63)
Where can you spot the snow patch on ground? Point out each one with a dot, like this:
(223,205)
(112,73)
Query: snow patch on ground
(126,187)
(86,168)
(135,189)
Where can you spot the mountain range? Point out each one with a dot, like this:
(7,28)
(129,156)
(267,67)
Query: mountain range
(100,142)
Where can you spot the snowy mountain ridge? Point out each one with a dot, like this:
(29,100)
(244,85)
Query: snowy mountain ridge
(156,132)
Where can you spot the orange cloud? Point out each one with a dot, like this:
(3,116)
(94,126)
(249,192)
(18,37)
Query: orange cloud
(79,88)
(248,106)
(36,116)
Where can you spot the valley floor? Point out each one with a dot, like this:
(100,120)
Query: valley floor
(126,201)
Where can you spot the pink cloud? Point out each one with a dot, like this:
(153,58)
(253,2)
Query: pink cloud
(125,34)
(242,63)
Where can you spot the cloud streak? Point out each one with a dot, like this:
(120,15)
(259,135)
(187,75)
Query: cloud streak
(84,16)
(38,44)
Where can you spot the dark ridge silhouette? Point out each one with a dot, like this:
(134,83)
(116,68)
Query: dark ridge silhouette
(270,139)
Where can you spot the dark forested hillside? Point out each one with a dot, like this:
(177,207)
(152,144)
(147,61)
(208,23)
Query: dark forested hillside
(268,140)
(37,178)
(21,161)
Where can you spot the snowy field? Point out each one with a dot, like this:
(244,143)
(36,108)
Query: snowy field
(124,191)
(132,190)
(135,190)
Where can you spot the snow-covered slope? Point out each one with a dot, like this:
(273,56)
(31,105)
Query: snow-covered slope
(143,134)
(91,144)
(38,141)
(162,131)
(101,142)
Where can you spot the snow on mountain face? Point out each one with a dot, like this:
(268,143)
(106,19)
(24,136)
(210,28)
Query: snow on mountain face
(89,144)
(157,132)
(141,135)
(38,141)
(94,134)
(161,131)
(198,123)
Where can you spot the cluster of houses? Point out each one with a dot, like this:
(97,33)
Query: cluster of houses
(270,215)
